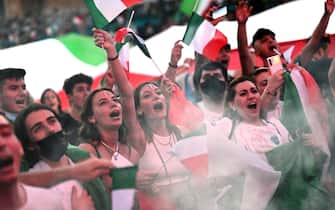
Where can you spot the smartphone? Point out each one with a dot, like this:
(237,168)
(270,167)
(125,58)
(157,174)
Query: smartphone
(220,12)
(274,63)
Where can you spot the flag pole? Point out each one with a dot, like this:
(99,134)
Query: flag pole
(160,71)
(128,26)
(131,18)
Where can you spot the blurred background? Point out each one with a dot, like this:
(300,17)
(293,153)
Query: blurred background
(24,21)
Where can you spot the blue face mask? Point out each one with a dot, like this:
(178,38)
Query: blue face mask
(53,147)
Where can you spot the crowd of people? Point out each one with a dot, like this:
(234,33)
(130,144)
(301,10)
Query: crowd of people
(260,154)
(150,18)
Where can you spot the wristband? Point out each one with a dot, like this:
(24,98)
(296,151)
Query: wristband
(173,65)
(113,59)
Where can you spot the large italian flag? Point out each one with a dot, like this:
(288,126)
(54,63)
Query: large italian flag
(104,11)
(214,157)
(49,62)
(202,35)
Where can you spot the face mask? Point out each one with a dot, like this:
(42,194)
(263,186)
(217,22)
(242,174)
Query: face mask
(214,88)
(53,147)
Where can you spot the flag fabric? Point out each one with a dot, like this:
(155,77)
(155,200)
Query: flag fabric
(213,157)
(123,33)
(123,187)
(193,153)
(122,47)
(182,112)
(104,11)
(186,6)
(300,184)
(202,35)
(304,112)
(303,100)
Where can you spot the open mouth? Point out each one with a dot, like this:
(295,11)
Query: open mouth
(6,162)
(20,101)
(115,113)
(274,49)
(158,106)
(252,106)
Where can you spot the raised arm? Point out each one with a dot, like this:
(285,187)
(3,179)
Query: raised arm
(242,13)
(271,92)
(134,131)
(174,59)
(314,43)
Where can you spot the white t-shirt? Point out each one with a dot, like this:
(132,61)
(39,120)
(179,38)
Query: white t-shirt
(64,188)
(209,115)
(253,138)
(42,199)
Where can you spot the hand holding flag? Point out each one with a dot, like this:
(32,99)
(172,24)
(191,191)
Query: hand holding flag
(104,40)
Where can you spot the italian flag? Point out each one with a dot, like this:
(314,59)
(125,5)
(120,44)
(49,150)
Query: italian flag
(104,11)
(213,156)
(202,35)
(303,100)
(123,187)
(71,54)
(183,113)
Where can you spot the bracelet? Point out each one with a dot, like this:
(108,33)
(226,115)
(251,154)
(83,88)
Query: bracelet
(271,93)
(173,65)
(113,59)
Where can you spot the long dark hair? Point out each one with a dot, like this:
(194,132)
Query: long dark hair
(141,118)
(31,150)
(42,99)
(88,131)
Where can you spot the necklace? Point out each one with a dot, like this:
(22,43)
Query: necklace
(115,153)
(163,142)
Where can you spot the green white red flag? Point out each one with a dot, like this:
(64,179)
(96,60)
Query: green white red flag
(104,11)
(202,35)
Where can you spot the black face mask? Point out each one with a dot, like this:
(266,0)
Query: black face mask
(53,147)
(214,88)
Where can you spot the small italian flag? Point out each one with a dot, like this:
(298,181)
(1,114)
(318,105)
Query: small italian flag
(202,35)
(104,11)
(123,187)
